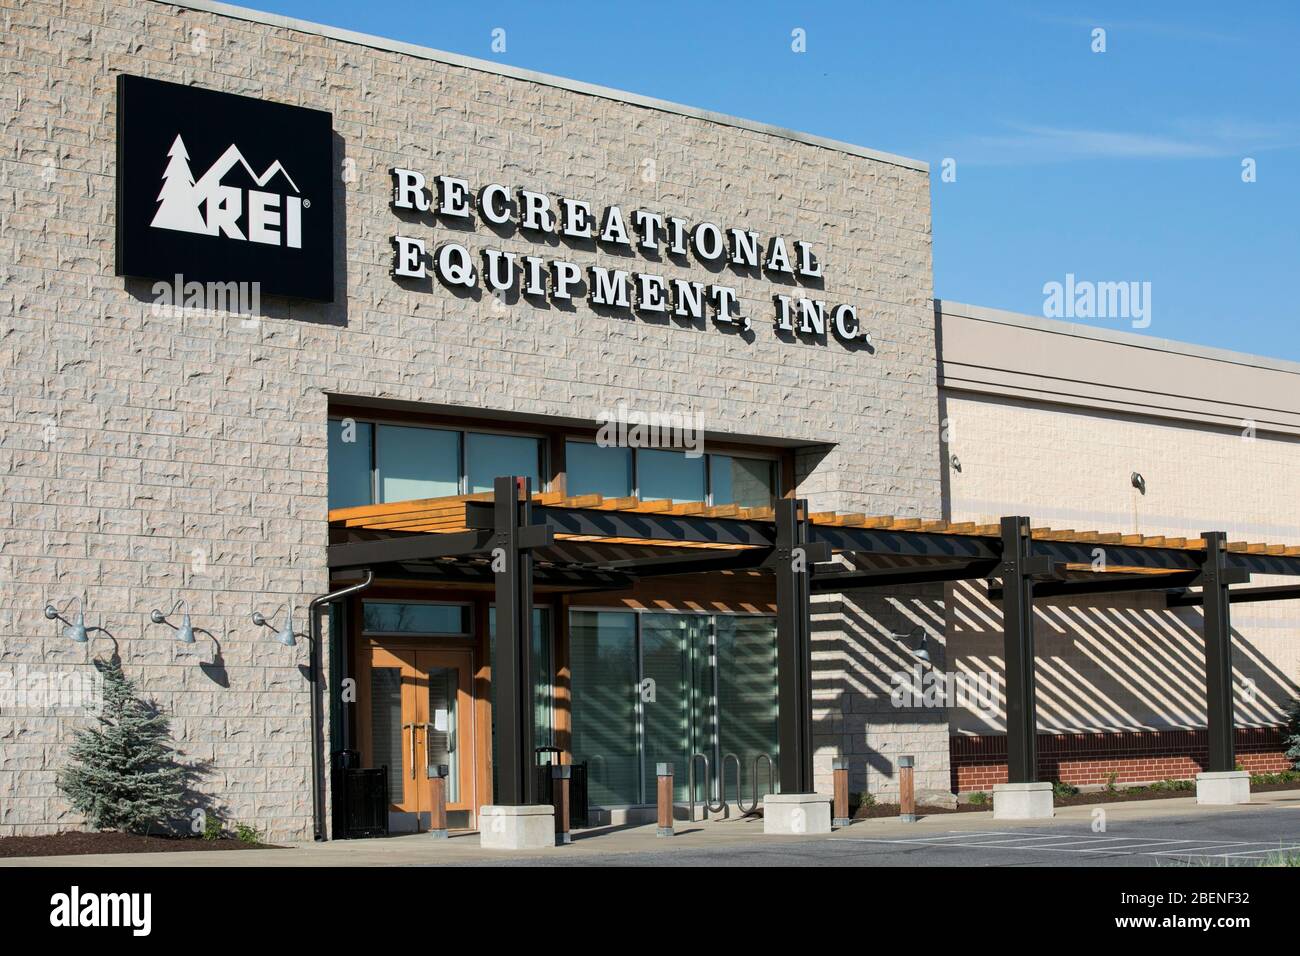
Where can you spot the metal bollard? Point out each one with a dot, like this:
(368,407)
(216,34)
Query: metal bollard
(840,768)
(906,791)
(664,798)
(438,796)
(561,775)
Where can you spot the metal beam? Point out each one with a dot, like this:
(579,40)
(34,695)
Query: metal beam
(1281,592)
(1115,583)
(1018,649)
(1218,654)
(512,564)
(824,582)
(794,657)
(576,578)
(748,559)
(414,547)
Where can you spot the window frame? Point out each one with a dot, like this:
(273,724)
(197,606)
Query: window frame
(774,460)
(461,431)
(467,634)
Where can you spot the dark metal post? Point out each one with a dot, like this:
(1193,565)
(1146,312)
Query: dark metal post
(793,610)
(1218,654)
(1018,649)
(513,567)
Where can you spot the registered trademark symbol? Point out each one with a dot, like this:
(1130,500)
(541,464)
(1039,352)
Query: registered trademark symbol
(306,204)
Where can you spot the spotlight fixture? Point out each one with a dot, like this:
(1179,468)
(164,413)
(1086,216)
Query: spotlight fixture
(285,634)
(954,462)
(184,633)
(72,631)
(918,634)
(1138,482)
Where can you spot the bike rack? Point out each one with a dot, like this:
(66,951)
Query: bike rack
(721,805)
(740,802)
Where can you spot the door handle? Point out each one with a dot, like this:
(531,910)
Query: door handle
(411,728)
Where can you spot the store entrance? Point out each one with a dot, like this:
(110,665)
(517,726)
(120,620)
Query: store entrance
(421,717)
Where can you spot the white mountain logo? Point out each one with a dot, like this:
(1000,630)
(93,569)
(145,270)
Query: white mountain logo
(208,207)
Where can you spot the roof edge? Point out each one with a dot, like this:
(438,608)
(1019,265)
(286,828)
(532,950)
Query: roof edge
(1003,317)
(532,76)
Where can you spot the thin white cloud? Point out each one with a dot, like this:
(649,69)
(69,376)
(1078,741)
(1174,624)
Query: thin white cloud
(1201,139)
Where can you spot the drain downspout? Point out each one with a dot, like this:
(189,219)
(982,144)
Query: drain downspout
(317,731)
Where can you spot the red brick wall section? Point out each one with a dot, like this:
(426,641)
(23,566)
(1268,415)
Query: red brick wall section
(979,762)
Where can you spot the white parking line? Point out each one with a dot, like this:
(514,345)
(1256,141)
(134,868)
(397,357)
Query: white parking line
(1096,844)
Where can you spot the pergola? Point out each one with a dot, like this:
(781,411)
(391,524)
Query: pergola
(516,541)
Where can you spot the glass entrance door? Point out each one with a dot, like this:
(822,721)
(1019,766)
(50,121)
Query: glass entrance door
(421,717)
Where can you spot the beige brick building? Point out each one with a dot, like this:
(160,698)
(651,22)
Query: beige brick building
(149,456)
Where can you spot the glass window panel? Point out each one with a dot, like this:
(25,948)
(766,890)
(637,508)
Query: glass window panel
(442,736)
(669,474)
(488,457)
(674,655)
(603,660)
(747,482)
(594,470)
(416,462)
(349,464)
(386,725)
(390,617)
(747,692)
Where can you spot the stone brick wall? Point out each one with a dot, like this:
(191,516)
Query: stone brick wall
(146,458)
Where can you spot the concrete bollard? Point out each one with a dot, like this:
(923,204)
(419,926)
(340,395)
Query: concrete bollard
(438,798)
(906,791)
(664,798)
(840,769)
(561,775)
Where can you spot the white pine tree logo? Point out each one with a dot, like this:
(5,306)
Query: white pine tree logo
(208,207)
(179,207)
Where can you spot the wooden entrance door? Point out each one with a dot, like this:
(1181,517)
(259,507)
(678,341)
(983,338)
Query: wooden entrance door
(421,716)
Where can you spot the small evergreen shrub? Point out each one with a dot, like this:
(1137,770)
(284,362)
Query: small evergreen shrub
(1293,733)
(124,774)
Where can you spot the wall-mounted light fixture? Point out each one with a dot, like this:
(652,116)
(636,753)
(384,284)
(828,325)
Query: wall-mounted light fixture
(184,633)
(921,638)
(1138,482)
(954,462)
(74,630)
(285,634)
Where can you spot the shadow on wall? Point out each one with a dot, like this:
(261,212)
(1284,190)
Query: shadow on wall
(1110,663)
(865,658)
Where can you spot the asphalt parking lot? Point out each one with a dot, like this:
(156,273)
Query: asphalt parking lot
(1241,837)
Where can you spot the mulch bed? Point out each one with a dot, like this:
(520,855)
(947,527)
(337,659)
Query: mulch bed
(77,843)
(891,810)
(1125,796)
(1079,799)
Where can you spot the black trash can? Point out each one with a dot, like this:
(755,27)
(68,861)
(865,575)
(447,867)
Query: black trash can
(360,798)
(577,785)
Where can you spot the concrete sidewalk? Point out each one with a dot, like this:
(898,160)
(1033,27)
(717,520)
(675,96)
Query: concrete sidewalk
(598,844)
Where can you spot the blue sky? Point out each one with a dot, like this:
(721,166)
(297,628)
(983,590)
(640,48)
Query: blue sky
(1124,165)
